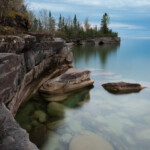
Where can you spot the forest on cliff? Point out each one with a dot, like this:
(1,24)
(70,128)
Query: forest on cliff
(16,17)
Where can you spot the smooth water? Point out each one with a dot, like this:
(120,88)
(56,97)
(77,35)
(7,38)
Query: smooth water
(122,120)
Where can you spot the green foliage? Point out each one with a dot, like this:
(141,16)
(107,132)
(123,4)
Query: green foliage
(73,29)
(104,24)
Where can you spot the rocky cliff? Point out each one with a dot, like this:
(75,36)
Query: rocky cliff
(25,64)
(22,63)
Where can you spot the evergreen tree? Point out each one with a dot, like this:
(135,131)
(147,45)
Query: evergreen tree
(50,15)
(35,25)
(75,22)
(40,25)
(104,24)
(60,23)
(51,24)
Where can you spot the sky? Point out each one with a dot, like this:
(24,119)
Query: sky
(130,18)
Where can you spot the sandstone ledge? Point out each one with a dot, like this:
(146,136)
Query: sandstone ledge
(71,80)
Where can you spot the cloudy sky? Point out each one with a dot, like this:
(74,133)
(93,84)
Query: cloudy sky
(130,18)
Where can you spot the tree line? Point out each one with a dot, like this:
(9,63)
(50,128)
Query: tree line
(68,28)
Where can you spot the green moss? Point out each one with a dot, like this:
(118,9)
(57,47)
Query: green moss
(14,14)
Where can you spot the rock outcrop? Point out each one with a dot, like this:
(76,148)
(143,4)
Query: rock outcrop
(122,87)
(26,64)
(98,41)
(86,140)
(71,80)
(12,136)
(107,40)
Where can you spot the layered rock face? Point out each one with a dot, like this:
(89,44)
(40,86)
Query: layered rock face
(71,80)
(25,65)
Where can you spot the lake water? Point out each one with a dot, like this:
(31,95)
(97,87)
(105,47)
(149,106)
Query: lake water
(121,120)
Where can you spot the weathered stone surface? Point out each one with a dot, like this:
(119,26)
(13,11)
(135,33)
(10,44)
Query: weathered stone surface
(41,36)
(12,136)
(12,71)
(15,44)
(11,44)
(71,80)
(89,42)
(122,87)
(98,41)
(86,140)
(107,40)
(22,74)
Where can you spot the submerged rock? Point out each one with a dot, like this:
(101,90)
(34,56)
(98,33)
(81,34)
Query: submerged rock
(38,135)
(66,138)
(122,87)
(71,80)
(86,140)
(55,110)
(55,124)
(40,115)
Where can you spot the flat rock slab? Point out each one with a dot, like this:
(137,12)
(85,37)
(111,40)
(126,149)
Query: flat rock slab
(71,80)
(122,87)
(86,140)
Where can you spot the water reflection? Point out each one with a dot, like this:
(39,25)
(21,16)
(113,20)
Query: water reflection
(121,120)
(102,52)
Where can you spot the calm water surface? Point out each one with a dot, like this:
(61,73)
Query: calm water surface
(121,120)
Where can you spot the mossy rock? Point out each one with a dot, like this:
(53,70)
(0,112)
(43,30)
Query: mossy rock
(40,116)
(14,14)
(55,110)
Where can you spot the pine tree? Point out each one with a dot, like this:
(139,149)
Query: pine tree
(75,22)
(35,25)
(51,24)
(60,23)
(40,25)
(104,24)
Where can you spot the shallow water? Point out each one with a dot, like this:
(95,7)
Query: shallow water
(121,120)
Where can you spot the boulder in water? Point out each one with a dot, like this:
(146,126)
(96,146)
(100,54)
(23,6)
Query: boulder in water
(86,140)
(122,87)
